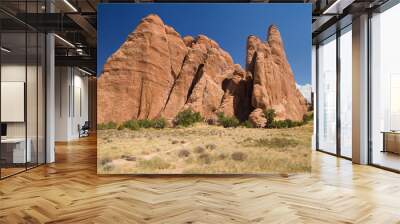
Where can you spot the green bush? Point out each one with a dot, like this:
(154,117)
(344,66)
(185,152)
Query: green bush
(227,122)
(104,126)
(272,123)
(247,124)
(159,123)
(131,124)
(286,124)
(187,118)
(270,115)
(298,123)
(145,123)
(308,117)
(100,126)
(276,124)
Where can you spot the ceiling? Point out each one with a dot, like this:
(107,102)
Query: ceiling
(75,21)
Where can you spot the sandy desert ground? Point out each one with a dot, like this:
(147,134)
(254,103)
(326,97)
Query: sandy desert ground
(204,149)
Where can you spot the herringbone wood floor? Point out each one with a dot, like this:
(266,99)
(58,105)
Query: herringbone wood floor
(69,191)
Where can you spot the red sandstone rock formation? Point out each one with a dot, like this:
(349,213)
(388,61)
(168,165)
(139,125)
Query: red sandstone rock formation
(274,86)
(257,118)
(157,73)
(137,78)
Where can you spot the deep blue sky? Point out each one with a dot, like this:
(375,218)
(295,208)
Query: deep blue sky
(228,24)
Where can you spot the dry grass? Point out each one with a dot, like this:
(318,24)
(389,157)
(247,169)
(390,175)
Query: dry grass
(183,153)
(239,156)
(205,149)
(155,163)
(199,149)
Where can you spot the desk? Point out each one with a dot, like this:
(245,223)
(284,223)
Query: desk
(15,148)
(391,141)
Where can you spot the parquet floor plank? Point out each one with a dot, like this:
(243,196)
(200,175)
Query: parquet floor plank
(70,191)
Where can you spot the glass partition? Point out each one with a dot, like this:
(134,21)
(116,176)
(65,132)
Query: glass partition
(41,97)
(22,77)
(346,92)
(327,95)
(13,94)
(385,89)
(31,100)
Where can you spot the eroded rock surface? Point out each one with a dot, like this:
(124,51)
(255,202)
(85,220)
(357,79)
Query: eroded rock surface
(157,73)
(274,86)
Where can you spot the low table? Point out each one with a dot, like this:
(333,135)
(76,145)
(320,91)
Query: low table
(13,150)
(391,141)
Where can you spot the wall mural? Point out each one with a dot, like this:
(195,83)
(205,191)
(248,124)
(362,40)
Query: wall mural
(204,88)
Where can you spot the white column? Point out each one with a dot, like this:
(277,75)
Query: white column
(314,91)
(50,92)
(360,90)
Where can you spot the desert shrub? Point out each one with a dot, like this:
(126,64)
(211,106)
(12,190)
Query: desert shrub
(155,163)
(105,160)
(145,123)
(247,124)
(187,118)
(108,140)
(286,124)
(275,142)
(104,126)
(100,126)
(227,122)
(308,117)
(131,124)
(159,123)
(239,156)
(108,167)
(120,128)
(222,156)
(211,121)
(298,123)
(270,115)
(183,153)
(211,146)
(174,142)
(204,158)
(128,158)
(199,149)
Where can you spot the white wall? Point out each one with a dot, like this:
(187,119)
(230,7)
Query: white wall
(62,82)
(71,102)
(12,73)
(80,110)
